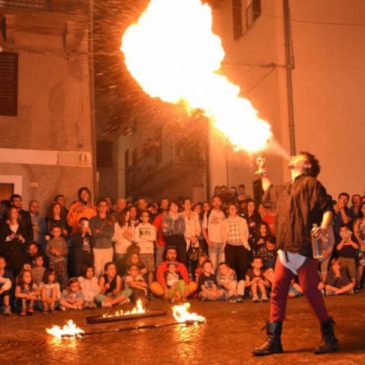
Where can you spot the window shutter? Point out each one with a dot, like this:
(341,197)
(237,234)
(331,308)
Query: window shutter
(8,84)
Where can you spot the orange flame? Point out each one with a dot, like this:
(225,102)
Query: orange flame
(181,314)
(69,330)
(138,309)
(174,55)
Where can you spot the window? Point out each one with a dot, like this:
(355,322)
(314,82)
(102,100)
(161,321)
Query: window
(8,84)
(245,13)
(26,4)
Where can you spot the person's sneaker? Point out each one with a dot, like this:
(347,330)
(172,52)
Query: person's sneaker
(265,300)
(232,299)
(255,300)
(240,299)
(6,310)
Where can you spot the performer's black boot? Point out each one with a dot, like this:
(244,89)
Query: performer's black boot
(273,341)
(329,341)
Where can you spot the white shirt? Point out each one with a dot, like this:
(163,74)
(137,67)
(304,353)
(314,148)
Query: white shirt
(192,226)
(214,225)
(145,237)
(121,242)
(294,262)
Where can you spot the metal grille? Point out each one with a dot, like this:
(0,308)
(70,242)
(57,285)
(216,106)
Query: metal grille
(26,4)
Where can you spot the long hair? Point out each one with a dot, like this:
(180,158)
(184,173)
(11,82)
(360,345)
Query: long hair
(20,279)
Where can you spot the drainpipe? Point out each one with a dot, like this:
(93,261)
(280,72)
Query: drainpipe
(290,65)
(95,184)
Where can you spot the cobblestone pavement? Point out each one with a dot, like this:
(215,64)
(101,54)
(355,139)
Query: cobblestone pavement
(227,337)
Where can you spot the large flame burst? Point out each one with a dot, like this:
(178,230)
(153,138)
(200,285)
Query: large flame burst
(174,55)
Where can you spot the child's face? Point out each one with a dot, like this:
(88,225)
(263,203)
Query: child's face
(134,259)
(345,233)
(74,287)
(172,269)
(90,273)
(223,269)
(145,217)
(270,246)
(84,225)
(33,250)
(2,263)
(263,230)
(202,259)
(208,268)
(52,278)
(56,232)
(39,261)
(111,271)
(27,277)
(27,267)
(133,271)
(336,266)
(257,264)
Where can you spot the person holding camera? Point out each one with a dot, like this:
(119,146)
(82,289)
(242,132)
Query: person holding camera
(300,204)
(81,253)
(347,251)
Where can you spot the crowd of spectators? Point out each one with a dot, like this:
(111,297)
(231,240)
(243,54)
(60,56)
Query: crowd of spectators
(111,253)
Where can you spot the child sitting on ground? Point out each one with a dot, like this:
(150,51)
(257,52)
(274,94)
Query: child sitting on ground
(57,251)
(26,293)
(208,285)
(110,285)
(199,269)
(227,280)
(255,280)
(338,281)
(5,287)
(295,290)
(38,269)
(177,289)
(135,281)
(89,286)
(71,296)
(50,291)
(268,253)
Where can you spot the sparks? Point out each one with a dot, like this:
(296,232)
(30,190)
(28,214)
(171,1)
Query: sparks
(174,55)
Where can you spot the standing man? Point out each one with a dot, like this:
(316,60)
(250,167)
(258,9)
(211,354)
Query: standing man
(213,231)
(300,204)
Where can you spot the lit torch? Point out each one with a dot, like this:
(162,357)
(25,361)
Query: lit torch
(174,55)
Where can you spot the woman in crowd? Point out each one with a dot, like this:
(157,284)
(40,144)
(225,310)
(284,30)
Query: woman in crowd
(13,245)
(82,208)
(123,237)
(56,218)
(235,239)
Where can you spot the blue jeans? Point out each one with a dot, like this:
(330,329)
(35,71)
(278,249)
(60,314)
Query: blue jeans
(216,253)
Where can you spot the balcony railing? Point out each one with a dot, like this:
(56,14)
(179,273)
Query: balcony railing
(26,4)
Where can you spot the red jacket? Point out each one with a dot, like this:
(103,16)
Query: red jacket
(180,268)
(157,222)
